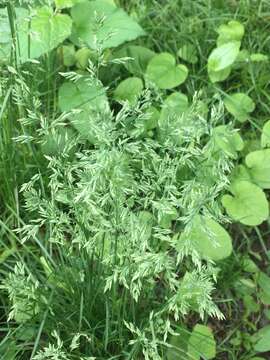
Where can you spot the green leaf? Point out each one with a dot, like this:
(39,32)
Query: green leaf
(152,118)
(240,172)
(166,213)
(264,283)
(265,137)
(83,56)
(129,90)
(62,4)
(68,55)
(88,96)
(216,76)
(248,203)
(227,140)
(188,52)
(202,343)
(258,163)
(209,238)
(140,57)
(257,57)
(100,24)
(46,30)
(233,31)
(164,73)
(171,119)
(38,32)
(223,56)
(179,344)
(5,36)
(262,339)
(239,105)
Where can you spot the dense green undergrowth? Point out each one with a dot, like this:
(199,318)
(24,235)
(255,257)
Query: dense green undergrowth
(135,169)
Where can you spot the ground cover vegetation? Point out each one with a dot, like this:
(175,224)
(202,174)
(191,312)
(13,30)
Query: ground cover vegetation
(135,177)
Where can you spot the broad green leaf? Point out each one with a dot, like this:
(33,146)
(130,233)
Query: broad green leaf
(100,24)
(5,36)
(188,52)
(179,343)
(243,56)
(174,106)
(164,73)
(67,53)
(258,163)
(152,118)
(233,31)
(239,105)
(8,348)
(39,32)
(45,32)
(85,91)
(264,283)
(262,339)
(240,172)
(223,56)
(62,4)
(209,238)
(247,204)
(140,57)
(89,97)
(202,343)
(257,57)
(129,90)
(265,137)
(83,56)
(166,213)
(227,140)
(171,117)
(216,76)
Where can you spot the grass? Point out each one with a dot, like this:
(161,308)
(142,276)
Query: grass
(60,287)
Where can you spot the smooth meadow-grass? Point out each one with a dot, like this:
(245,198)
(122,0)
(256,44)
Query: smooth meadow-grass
(78,280)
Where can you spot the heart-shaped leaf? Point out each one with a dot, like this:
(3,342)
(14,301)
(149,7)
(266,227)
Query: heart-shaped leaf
(101,24)
(89,97)
(265,137)
(233,31)
(209,238)
(129,90)
(202,343)
(264,283)
(42,34)
(216,76)
(62,4)
(188,52)
(171,117)
(67,53)
(164,73)
(5,36)
(258,163)
(262,339)
(247,204)
(239,105)
(228,141)
(38,32)
(179,343)
(139,58)
(223,56)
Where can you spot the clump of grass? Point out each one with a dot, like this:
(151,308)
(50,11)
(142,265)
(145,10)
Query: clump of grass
(91,263)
